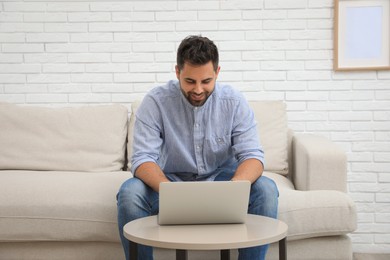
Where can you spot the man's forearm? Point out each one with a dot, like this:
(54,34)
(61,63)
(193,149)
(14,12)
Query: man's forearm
(250,169)
(151,174)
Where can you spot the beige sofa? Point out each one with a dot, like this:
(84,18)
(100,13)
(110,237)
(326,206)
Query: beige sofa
(60,170)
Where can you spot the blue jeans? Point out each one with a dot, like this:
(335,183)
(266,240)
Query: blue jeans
(137,200)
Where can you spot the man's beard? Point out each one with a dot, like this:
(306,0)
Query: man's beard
(196,100)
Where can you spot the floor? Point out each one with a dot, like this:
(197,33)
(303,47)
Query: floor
(360,256)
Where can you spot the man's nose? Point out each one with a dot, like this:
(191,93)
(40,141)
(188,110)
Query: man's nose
(198,88)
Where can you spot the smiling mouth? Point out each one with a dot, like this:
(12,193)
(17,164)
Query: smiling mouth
(197,97)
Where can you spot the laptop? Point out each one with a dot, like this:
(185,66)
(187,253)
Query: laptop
(205,202)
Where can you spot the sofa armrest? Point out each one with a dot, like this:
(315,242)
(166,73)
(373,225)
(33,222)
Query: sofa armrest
(319,164)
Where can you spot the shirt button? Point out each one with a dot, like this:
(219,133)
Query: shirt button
(196,125)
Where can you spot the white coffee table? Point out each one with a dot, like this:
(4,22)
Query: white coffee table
(257,230)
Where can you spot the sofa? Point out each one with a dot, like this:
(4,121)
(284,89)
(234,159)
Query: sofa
(61,168)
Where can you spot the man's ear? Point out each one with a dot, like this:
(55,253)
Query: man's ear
(177,72)
(217,72)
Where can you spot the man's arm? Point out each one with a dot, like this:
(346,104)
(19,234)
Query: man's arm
(245,143)
(147,141)
(151,174)
(250,169)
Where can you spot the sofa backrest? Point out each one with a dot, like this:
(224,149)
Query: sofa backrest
(271,118)
(87,138)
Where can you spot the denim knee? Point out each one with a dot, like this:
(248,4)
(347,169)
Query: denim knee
(264,197)
(267,186)
(137,198)
(130,188)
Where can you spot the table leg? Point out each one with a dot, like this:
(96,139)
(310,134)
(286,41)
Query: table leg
(181,254)
(225,254)
(282,249)
(133,250)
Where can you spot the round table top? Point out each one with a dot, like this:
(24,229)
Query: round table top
(257,230)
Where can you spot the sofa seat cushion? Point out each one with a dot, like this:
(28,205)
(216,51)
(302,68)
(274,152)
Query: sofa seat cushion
(59,206)
(85,138)
(313,213)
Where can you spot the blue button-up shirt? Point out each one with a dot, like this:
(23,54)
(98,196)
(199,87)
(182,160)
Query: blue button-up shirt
(190,142)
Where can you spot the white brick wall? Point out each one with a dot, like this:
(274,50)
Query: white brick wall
(69,53)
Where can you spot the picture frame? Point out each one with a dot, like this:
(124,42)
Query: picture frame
(362,35)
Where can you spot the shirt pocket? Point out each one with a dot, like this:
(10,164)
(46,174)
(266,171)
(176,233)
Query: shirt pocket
(218,150)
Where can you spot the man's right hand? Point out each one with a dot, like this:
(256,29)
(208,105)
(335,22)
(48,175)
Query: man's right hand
(151,174)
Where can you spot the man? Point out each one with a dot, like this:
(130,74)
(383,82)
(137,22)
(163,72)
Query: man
(194,129)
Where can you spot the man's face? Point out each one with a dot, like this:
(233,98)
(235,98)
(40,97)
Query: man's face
(197,82)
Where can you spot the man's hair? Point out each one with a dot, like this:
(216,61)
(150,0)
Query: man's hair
(197,50)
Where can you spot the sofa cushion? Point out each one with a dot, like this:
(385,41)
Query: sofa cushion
(272,127)
(87,138)
(59,206)
(314,213)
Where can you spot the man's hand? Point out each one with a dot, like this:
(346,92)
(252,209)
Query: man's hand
(151,174)
(250,170)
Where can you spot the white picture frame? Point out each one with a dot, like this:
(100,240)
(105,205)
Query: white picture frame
(362,35)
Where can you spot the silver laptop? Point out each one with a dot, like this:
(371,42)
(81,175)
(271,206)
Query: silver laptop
(206,202)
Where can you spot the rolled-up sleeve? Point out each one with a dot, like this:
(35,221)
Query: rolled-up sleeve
(147,134)
(245,139)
